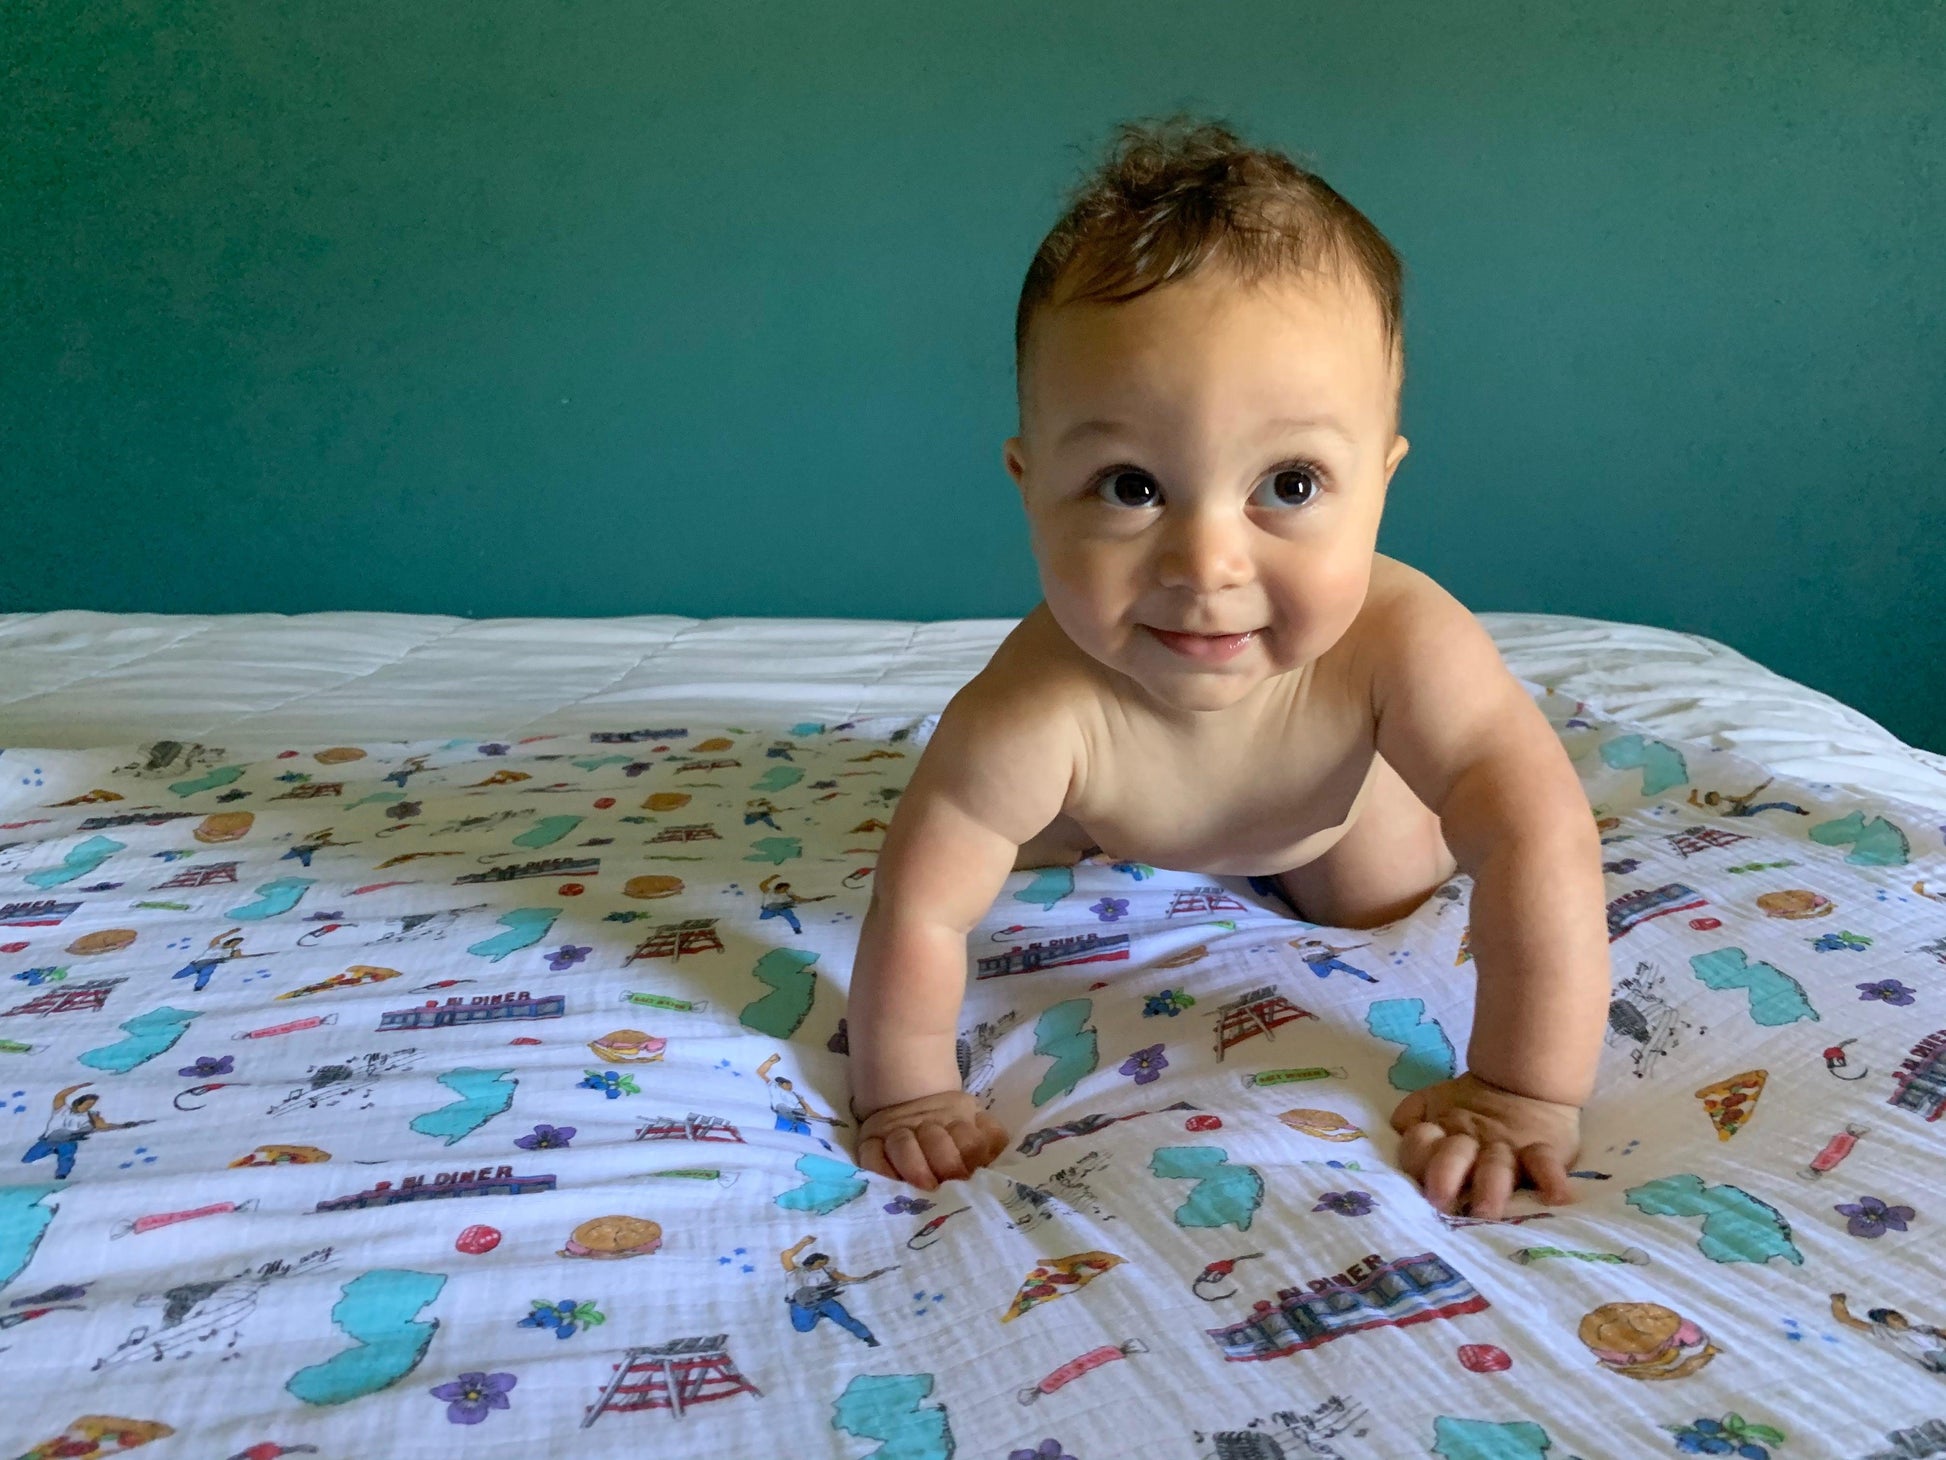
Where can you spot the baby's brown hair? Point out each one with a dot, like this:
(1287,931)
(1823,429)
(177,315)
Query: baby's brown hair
(1173,194)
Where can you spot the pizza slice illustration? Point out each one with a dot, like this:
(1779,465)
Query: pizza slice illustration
(1729,1102)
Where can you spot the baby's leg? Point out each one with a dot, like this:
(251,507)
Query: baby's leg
(1383,867)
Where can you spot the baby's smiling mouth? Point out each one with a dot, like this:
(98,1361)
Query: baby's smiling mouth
(1205,648)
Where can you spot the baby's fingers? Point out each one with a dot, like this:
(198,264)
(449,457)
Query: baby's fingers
(1421,1140)
(908,1158)
(871,1156)
(1548,1173)
(1494,1175)
(1448,1169)
(942,1155)
(995,1133)
(1438,1160)
(1410,1112)
(975,1145)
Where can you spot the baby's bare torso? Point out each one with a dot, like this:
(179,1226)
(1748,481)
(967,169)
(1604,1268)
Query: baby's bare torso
(1251,791)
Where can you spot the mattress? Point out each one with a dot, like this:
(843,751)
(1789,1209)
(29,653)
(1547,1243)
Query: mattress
(545,986)
(255,681)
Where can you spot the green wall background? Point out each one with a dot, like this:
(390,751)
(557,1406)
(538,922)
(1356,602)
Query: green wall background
(550,308)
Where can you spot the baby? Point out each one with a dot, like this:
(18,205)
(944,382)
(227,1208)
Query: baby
(1224,676)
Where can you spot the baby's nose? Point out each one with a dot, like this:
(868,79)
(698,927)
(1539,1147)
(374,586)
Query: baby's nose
(1205,553)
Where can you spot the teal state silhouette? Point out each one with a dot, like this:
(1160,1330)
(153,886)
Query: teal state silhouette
(1062,1031)
(1224,1195)
(378,1313)
(1737,1227)
(1662,766)
(886,1407)
(148,1034)
(793,983)
(483,1095)
(1775,997)
(828,1184)
(1428,1054)
(23,1222)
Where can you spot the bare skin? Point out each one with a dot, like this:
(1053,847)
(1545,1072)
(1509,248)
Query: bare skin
(1361,743)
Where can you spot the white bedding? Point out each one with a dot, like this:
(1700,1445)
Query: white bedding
(295,1007)
(438,1114)
(257,681)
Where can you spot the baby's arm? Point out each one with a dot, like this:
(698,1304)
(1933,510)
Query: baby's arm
(1472,745)
(993,775)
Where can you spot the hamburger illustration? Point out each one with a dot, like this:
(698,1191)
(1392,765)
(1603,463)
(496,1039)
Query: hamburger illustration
(223,826)
(628,1047)
(102,940)
(1645,1341)
(1795,902)
(652,884)
(613,1237)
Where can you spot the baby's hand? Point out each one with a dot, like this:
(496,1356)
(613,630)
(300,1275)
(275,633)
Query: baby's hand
(1467,1127)
(943,1137)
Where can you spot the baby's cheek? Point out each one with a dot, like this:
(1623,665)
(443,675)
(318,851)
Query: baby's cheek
(1327,602)
(1077,600)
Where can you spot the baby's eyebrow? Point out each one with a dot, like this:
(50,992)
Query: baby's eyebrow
(1103,427)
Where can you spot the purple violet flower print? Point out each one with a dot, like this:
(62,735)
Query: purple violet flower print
(1345,1203)
(1146,1065)
(546,1138)
(1110,908)
(1045,1450)
(472,1396)
(566,956)
(1888,989)
(1871,1217)
(208,1067)
(909,1206)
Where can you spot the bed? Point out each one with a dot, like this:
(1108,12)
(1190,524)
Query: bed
(426,1035)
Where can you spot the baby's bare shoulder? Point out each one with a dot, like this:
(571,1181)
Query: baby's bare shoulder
(1409,619)
(1035,679)
(1008,745)
(1416,647)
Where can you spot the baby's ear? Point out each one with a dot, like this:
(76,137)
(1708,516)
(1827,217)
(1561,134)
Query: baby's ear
(1014,457)
(1399,448)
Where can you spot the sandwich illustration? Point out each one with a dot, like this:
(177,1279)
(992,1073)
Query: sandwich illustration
(1326,1125)
(1645,1341)
(613,1237)
(628,1046)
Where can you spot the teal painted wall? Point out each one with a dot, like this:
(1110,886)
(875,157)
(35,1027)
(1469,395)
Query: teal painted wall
(548,308)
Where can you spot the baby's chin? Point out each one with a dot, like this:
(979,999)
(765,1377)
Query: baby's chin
(1189,687)
(1136,655)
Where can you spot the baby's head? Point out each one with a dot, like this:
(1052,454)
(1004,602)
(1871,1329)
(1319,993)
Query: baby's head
(1209,352)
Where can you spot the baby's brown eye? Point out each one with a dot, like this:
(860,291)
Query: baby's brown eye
(1127,489)
(1293,486)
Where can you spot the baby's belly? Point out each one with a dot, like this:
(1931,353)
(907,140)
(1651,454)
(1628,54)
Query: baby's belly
(1240,851)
